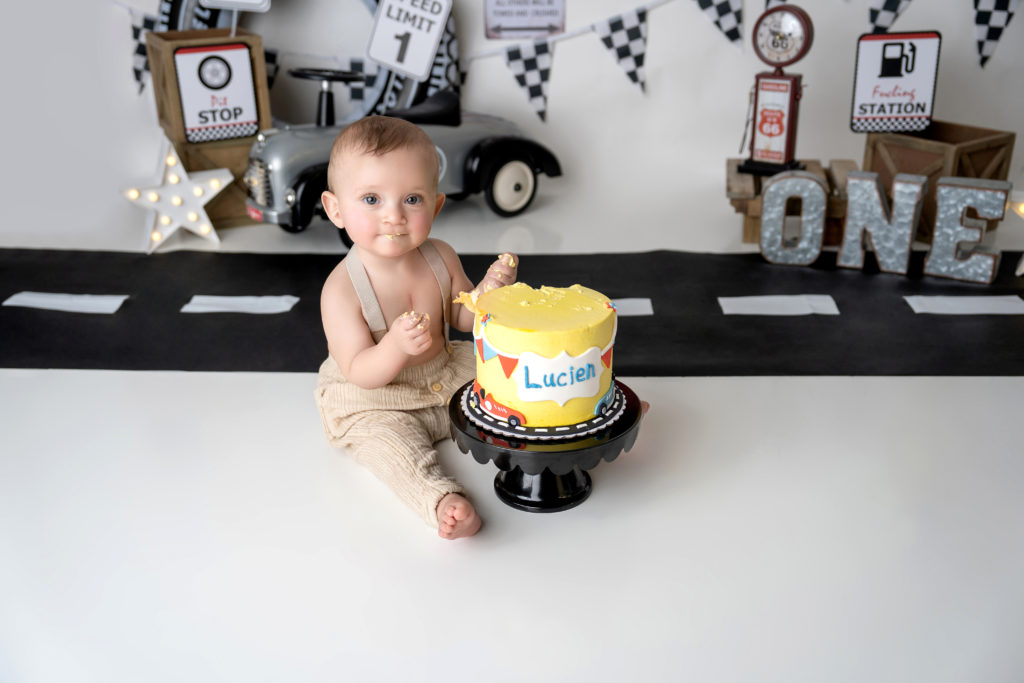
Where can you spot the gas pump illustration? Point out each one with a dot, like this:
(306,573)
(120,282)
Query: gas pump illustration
(897,62)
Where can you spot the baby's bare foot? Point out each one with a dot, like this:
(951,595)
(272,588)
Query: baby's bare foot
(456,517)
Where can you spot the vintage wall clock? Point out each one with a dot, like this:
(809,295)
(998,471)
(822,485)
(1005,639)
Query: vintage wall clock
(782,36)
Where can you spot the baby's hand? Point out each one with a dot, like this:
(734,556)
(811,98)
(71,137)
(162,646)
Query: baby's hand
(501,273)
(411,332)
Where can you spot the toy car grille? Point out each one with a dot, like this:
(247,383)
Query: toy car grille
(257,182)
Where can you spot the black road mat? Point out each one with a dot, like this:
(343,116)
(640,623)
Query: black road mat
(876,332)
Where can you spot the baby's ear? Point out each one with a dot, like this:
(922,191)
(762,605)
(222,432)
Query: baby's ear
(330,203)
(440,203)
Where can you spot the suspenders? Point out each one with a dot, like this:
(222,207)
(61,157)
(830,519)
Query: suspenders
(368,298)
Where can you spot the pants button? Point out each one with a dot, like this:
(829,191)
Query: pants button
(437,386)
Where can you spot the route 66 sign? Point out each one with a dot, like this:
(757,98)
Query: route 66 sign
(772,123)
(775,118)
(406,34)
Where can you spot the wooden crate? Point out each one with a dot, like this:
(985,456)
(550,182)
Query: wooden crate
(944,149)
(160,47)
(744,193)
(227,209)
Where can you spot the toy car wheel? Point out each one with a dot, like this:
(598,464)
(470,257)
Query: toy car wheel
(513,421)
(288,227)
(510,187)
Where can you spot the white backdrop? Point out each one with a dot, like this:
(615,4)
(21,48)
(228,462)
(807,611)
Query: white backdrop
(641,171)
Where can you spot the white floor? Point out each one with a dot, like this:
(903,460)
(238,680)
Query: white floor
(196,527)
(191,526)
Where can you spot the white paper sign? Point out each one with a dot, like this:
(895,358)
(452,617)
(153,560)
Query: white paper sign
(558,379)
(218,97)
(1008,304)
(238,5)
(524,18)
(894,87)
(780,304)
(266,305)
(406,34)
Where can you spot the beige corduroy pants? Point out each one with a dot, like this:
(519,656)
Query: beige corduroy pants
(392,430)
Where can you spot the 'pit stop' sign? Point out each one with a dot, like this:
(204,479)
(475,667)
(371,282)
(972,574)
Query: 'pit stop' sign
(406,34)
(218,95)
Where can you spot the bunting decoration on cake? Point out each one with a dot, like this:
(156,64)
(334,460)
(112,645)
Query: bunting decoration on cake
(727,15)
(768,4)
(884,12)
(990,18)
(531,65)
(626,37)
(486,352)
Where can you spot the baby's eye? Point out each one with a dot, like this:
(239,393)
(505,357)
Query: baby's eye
(370,200)
(413,199)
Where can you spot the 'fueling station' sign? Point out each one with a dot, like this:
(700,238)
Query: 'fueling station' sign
(894,89)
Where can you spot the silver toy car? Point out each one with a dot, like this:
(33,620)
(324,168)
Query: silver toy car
(479,153)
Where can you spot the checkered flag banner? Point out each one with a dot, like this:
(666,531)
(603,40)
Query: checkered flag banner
(990,18)
(357,90)
(531,65)
(141,24)
(884,12)
(227,132)
(890,125)
(727,15)
(270,59)
(626,36)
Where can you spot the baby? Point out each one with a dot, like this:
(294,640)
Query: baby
(384,387)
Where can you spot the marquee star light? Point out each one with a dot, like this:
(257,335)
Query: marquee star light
(179,199)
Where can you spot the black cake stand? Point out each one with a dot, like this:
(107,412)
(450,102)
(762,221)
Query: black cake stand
(549,475)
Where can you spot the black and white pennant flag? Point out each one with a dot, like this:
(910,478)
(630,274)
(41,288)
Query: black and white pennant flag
(531,65)
(727,15)
(270,59)
(357,90)
(990,18)
(141,25)
(884,12)
(626,37)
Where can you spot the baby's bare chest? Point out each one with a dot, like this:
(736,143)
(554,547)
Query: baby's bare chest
(421,295)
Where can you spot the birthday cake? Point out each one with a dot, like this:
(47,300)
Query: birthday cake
(543,362)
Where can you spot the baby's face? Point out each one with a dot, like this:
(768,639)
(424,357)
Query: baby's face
(388,202)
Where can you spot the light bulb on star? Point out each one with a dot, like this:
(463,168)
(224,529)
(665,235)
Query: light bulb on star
(179,199)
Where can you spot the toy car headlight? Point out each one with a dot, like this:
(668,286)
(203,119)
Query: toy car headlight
(289,197)
(264,135)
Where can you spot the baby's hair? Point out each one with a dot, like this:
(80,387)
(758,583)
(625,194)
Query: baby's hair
(378,135)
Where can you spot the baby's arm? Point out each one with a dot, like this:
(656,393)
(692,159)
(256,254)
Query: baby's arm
(351,344)
(502,272)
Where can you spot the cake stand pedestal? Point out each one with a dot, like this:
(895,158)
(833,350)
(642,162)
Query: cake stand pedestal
(545,475)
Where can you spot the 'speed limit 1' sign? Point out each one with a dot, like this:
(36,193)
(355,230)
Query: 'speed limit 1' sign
(406,34)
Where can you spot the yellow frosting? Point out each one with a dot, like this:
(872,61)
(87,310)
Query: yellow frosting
(547,351)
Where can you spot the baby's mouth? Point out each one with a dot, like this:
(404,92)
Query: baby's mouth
(393,235)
